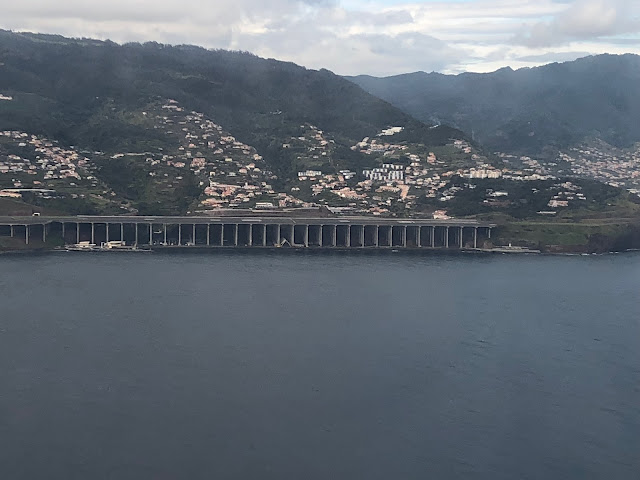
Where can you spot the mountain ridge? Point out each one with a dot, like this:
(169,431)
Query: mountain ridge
(528,110)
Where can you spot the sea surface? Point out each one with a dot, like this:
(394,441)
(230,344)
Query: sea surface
(319,366)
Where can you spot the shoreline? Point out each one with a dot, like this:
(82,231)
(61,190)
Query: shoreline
(190,250)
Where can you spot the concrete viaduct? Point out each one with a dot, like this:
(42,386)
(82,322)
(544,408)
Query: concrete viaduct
(247,231)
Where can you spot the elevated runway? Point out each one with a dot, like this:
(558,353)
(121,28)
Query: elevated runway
(252,231)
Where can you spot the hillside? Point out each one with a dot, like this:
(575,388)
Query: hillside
(529,111)
(130,113)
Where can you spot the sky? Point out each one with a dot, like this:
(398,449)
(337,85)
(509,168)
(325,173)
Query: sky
(351,37)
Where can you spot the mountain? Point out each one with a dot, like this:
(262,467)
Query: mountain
(531,110)
(69,83)
(127,110)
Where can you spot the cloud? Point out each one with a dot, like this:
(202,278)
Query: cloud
(353,36)
(584,19)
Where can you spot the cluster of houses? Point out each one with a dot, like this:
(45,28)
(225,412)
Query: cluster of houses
(233,174)
(40,160)
(567,192)
(605,163)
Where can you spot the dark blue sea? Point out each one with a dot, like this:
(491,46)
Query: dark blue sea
(319,366)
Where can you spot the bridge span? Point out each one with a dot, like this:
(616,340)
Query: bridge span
(248,231)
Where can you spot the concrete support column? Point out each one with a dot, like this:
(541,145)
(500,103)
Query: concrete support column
(13,231)
(179,234)
(418,240)
(475,237)
(235,235)
(193,234)
(390,235)
(135,225)
(26,234)
(349,235)
(151,233)
(93,232)
(460,244)
(122,232)
(44,233)
(63,231)
(222,234)
(306,235)
(164,231)
(404,236)
(250,234)
(264,235)
(446,237)
(489,234)
(208,233)
(432,235)
(278,237)
(376,242)
(107,230)
(362,242)
(77,233)
(322,235)
(334,236)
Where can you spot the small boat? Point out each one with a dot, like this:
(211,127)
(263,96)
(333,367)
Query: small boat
(120,246)
(82,247)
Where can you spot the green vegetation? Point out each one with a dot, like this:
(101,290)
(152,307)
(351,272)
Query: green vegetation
(581,237)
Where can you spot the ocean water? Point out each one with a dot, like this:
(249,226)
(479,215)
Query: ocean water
(317,366)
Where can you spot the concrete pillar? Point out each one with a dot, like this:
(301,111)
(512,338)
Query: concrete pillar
(222,234)
(264,235)
(13,232)
(235,235)
(475,237)
(93,232)
(135,242)
(77,233)
(250,234)
(306,235)
(348,244)
(432,235)
(179,234)
(122,232)
(334,236)
(404,235)
(362,242)
(26,234)
(107,232)
(419,242)
(322,235)
(193,234)
(460,244)
(164,231)
(446,237)
(44,233)
(377,240)
(489,234)
(63,231)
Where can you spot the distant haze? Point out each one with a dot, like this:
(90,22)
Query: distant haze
(353,37)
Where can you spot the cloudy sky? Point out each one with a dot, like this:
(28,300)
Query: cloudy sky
(377,37)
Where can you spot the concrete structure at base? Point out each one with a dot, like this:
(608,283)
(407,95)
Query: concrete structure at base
(322,232)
